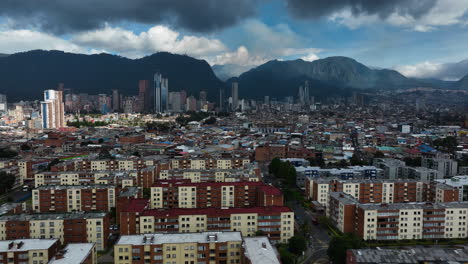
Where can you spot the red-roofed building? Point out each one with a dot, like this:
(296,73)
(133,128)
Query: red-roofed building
(277,222)
(185,194)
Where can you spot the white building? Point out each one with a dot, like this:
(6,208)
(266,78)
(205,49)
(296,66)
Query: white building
(52,109)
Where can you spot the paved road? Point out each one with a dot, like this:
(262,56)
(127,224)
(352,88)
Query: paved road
(317,251)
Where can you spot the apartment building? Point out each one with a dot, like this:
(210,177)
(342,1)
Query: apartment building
(120,178)
(67,227)
(209,163)
(42,251)
(445,166)
(409,256)
(399,220)
(393,168)
(348,173)
(71,198)
(213,175)
(267,152)
(421,174)
(259,250)
(367,191)
(28,250)
(457,182)
(76,253)
(22,169)
(442,193)
(185,194)
(197,248)
(186,248)
(276,221)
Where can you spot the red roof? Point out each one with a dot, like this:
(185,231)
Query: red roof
(216,212)
(270,190)
(136,205)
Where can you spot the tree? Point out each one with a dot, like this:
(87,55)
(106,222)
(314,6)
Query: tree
(339,244)
(379,154)
(260,233)
(286,256)
(312,162)
(291,174)
(25,147)
(7,153)
(297,244)
(7,180)
(305,229)
(52,163)
(356,161)
(104,154)
(343,163)
(447,144)
(146,193)
(210,121)
(274,166)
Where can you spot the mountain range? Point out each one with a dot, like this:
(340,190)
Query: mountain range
(25,75)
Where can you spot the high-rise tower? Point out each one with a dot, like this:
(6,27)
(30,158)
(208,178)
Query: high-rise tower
(235,96)
(161,93)
(52,109)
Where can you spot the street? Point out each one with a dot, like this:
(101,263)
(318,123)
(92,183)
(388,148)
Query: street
(318,241)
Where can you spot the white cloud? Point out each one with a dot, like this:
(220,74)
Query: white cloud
(444,13)
(157,38)
(12,41)
(241,56)
(262,43)
(443,71)
(310,57)
(421,70)
(348,19)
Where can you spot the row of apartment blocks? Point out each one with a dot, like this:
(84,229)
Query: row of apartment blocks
(275,221)
(134,163)
(186,194)
(249,173)
(367,191)
(89,227)
(348,173)
(144,177)
(41,251)
(119,178)
(399,220)
(194,248)
(431,168)
(267,152)
(70,198)
(389,191)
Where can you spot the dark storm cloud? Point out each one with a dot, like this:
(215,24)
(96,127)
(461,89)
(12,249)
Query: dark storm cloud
(382,8)
(63,16)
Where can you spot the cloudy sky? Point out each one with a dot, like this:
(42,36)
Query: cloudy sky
(421,38)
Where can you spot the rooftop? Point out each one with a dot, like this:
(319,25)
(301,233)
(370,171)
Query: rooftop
(259,251)
(270,210)
(26,244)
(74,253)
(163,238)
(53,216)
(415,255)
(66,187)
